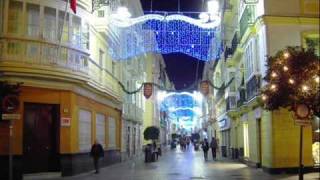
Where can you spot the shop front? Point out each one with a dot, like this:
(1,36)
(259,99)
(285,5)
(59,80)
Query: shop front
(225,142)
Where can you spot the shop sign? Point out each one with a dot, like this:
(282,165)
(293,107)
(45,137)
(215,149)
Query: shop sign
(65,122)
(224,123)
(302,115)
(10,116)
(10,103)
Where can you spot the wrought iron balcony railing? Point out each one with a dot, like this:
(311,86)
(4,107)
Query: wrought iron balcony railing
(242,96)
(231,103)
(253,86)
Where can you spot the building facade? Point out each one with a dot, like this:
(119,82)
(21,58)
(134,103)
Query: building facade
(253,30)
(70,94)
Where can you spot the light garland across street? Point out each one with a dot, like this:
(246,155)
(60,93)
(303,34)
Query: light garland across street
(163,32)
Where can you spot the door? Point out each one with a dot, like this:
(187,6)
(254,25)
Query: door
(41,138)
(134,141)
(128,142)
(259,142)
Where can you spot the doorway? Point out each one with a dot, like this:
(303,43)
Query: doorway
(41,138)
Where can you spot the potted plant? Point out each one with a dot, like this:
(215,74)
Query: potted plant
(150,133)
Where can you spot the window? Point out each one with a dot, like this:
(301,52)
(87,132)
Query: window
(85,36)
(113,68)
(14,48)
(112,132)
(249,59)
(233,83)
(84,130)
(49,53)
(101,53)
(76,31)
(1,15)
(50,30)
(101,129)
(33,20)
(15,17)
(32,50)
(101,13)
(312,42)
(63,27)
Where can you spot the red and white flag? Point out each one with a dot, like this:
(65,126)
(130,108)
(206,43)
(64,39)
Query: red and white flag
(73,5)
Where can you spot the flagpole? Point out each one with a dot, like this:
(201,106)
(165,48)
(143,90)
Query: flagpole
(61,31)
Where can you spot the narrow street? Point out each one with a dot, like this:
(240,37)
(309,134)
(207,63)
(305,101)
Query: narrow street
(178,165)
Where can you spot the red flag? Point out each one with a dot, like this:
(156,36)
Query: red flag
(73,5)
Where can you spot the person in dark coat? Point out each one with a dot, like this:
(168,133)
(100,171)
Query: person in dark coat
(96,153)
(213,146)
(205,148)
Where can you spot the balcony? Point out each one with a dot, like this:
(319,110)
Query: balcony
(242,96)
(40,55)
(234,44)
(39,58)
(231,103)
(247,19)
(132,112)
(253,86)
(220,94)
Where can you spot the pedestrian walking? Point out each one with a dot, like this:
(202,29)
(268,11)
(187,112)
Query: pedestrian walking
(96,153)
(205,148)
(213,146)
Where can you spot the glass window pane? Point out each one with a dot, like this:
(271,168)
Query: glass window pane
(33,20)
(50,30)
(112,132)
(64,32)
(15,17)
(76,31)
(84,130)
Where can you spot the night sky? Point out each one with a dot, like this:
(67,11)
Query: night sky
(181,68)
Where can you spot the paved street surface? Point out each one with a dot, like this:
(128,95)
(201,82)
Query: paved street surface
(177,165)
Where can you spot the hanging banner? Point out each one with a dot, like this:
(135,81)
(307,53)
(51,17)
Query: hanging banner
(204,87)
(147,90)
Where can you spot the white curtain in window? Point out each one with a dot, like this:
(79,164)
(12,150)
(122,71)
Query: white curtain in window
(112,132)
(50,30)
(101,129)
(84,130)
(76,31)
(15,17)
(33,20)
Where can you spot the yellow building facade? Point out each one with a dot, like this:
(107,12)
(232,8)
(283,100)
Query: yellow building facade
(69,94)
(261,138)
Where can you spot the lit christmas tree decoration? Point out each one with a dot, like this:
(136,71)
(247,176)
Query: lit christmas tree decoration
(305,88)
(291,81)
(297,80)
(274,74)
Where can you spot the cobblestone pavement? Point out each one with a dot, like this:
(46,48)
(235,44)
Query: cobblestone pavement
(178,165)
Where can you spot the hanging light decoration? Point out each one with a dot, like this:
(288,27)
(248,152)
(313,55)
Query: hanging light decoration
(147,90)
(167,32)
(204,87)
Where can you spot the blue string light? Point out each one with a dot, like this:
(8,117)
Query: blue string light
(181,106)
(163,36)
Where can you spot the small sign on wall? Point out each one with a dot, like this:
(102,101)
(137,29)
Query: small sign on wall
(65,122)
